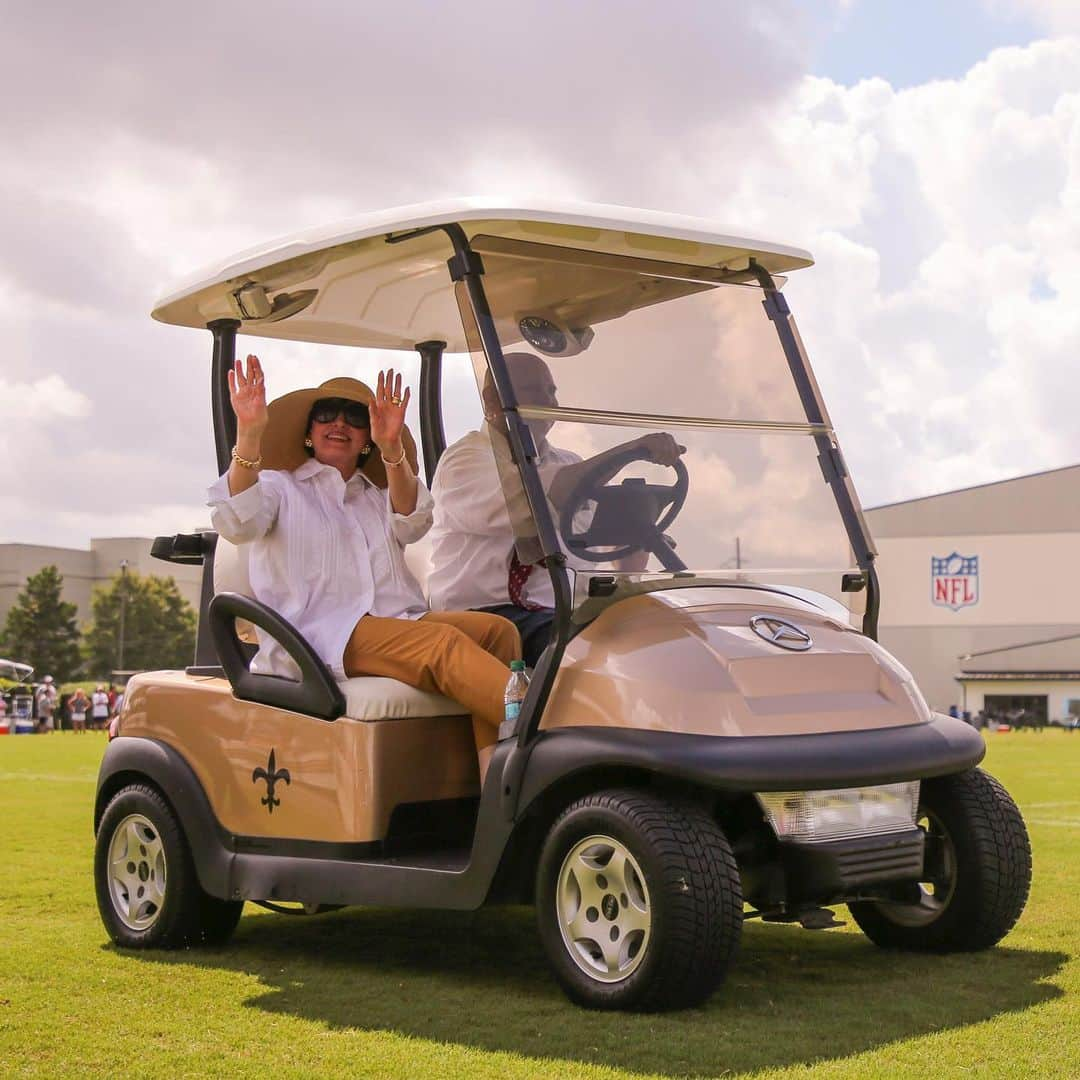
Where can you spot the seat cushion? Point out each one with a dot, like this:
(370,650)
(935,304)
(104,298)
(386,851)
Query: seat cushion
(372,698)
(231,575)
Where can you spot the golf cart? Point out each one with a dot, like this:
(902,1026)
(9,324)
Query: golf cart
(21,720)
(712,736)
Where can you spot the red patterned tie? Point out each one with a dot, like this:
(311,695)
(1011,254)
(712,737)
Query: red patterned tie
(519,574)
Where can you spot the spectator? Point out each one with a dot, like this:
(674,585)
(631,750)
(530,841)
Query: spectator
(45,699)
(112,699)
(77,708)
(101,706)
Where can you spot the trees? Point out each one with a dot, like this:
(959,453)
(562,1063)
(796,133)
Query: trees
(41,629)
(138,623)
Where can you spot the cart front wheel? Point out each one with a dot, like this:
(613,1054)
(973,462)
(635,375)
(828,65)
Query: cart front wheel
(639,903)
(148,893)
(976,873)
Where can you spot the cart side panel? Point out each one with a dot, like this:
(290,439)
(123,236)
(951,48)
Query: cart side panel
(335,782)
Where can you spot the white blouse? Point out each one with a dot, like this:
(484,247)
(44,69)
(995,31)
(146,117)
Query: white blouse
(324,553)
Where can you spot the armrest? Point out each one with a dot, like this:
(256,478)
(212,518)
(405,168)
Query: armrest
(317,693)
(187,549)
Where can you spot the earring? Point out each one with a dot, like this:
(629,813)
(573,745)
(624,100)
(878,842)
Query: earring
(308,442)
(366,451)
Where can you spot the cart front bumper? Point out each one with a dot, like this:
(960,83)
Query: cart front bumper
(821,872)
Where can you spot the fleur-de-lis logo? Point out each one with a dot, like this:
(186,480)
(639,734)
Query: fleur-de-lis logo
(271,774)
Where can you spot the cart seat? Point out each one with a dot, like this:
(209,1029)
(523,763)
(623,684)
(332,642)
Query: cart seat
(366,697)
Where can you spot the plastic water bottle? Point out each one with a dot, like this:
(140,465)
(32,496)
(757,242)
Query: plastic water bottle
(515,693)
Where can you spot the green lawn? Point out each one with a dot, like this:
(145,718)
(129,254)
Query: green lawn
(397,993)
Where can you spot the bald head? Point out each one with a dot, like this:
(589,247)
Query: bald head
(532,381)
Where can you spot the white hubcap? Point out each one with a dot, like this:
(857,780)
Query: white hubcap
(137,872)
(603,908)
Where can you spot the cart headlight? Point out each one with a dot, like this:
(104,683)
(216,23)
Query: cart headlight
(812,816)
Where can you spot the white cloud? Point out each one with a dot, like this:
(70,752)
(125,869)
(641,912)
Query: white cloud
(946,218)
(942,312)
(46,399)
(1056,16)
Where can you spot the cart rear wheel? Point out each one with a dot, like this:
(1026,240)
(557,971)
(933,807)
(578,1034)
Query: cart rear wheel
(148,893)
(639,902)
(976,876)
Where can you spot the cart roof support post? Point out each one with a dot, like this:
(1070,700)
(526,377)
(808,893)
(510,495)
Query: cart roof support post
(224,331)
(432,433)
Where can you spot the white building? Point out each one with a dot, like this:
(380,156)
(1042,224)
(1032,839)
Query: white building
(981,593)
(84,570)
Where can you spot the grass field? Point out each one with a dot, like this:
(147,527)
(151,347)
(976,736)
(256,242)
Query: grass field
(378,993)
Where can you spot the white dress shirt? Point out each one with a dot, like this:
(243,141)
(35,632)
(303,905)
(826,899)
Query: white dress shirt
(472,539)
(324,553)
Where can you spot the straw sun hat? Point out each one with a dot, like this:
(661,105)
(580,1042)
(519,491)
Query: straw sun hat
(283,440)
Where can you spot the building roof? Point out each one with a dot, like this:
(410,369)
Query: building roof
(1047,501)
(1018,676)
(358,290)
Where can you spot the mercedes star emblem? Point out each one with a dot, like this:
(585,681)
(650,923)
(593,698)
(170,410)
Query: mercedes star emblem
(781,632)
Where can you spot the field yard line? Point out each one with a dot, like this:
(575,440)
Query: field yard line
(1064,823)
(56,778)
(1048,805)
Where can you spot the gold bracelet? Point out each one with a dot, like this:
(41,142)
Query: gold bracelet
(394,464)
(244,463)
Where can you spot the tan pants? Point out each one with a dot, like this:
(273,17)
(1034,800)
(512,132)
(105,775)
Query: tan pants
(463,654)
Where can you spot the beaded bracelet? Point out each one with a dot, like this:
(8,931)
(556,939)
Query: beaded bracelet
(244,463)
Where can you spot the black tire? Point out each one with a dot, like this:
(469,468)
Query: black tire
(979,861)
(175,912)
(689,888)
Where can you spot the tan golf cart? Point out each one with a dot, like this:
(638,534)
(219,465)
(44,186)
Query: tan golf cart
(713,736)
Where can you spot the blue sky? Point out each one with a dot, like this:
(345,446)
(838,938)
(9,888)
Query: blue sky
(908,42)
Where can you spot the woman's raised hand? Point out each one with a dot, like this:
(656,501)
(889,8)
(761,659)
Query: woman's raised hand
(387,412)
(247,394)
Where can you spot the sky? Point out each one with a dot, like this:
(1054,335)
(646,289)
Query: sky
(928,154)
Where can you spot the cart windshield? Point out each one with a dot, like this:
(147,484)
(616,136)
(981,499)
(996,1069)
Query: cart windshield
(671,432)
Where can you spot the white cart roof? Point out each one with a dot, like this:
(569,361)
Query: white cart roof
(347,286)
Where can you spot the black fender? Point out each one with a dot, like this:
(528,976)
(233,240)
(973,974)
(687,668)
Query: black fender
(129,760)
(746,763)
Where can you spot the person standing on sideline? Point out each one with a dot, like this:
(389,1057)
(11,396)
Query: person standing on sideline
(78,704)
(99,705)
(46,704)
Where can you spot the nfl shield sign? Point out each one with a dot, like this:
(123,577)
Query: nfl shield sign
(954,580)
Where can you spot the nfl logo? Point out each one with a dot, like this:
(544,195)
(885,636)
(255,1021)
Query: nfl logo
(954,580)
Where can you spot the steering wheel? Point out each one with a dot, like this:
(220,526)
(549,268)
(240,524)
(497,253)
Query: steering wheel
(629,517)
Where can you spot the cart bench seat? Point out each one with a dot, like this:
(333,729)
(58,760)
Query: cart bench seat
(372,698)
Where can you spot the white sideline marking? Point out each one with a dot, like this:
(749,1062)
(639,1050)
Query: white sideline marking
(53,778)
(1061,823)
(1049,805)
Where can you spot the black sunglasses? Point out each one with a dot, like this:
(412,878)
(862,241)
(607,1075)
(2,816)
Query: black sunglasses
(326,410)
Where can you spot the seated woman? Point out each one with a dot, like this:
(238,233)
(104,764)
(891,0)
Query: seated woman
(305,489)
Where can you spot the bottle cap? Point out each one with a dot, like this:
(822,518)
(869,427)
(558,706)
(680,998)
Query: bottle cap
(517,665)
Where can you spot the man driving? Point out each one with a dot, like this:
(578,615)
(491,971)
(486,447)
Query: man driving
(474,561)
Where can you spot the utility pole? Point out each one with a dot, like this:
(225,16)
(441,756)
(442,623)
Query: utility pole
(123,615)
(738,554)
